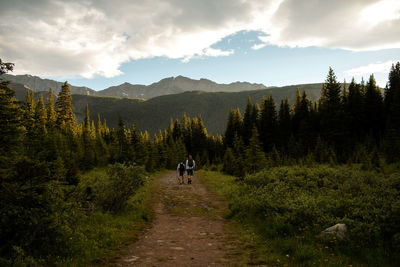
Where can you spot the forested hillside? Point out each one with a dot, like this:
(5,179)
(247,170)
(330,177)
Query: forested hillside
(154,114)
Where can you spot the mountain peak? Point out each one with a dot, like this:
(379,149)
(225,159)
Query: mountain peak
(166,86)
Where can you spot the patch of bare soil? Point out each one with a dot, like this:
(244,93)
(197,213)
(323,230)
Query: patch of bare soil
(188,229)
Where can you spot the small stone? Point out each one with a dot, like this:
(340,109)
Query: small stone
(337,230)
(176,248)
(131,259)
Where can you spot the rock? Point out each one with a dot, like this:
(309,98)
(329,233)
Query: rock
(337,230)
(131,259)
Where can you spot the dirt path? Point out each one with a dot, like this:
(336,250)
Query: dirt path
(187,229)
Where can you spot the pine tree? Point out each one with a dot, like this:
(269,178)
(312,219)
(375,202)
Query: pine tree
(229,131)
(331,108)
(373,109)
(234,127)
(248,121)
(88,135)
(11,128)
(187,132)
(50,111)
(239,156)
(255,159)
(284,123)
(229,162)
(40,117)
(65,114)
(142,151)
(122,142)
(354,109)
(302,123)
(86,122)
(177,131)
(268,124)
(199,135)
(29,112)
(99,126)
(392,107)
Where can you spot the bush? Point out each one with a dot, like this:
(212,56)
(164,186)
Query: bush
(36,219)
(293,198)
(112,192)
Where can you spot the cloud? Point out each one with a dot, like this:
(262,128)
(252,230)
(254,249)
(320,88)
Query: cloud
(373,68)
(95,37)
(354,25)
(258,46)
(209,52)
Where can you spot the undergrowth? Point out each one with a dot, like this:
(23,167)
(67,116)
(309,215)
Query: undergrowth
(277,215)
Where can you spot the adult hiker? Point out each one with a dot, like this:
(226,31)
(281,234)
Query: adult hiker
(181,170)
(190,164)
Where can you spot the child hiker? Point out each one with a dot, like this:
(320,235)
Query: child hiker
(181,170)
(190,168)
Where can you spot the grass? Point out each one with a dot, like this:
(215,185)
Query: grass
(105,234)
(250,245)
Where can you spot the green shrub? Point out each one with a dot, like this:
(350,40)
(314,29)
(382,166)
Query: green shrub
(293,198)
(112,191)
(36,216)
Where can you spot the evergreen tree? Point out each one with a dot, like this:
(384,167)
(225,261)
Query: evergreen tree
(65,114)
(333,129)
(177,131)
(122,142)
(354,109)
(392,106)
(268,123)
(88,134)
(40,118)
(50,111)
(142,151)
(234,127)
(373,109)
(29,112)
(302,123)
(284,123)
(199,135)
(248,121)
(99,126)
(187,132)
(86,122)
(255,159)
(239,156)
(11,128)
(229,162)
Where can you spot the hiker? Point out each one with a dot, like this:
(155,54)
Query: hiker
(181,169)
(190,168)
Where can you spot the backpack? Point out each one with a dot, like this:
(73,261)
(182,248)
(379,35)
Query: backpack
(181,167)
(190,163)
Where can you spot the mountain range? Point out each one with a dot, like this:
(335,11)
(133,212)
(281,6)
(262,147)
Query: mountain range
(155,113)
(172,85)
(38,84)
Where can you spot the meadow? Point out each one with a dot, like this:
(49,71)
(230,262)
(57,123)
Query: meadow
(282,210)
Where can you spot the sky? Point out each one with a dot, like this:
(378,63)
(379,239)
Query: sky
(102,43)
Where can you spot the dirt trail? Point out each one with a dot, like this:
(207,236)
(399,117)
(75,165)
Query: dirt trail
(187,229)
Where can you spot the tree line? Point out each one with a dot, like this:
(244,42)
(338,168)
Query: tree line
(351,123)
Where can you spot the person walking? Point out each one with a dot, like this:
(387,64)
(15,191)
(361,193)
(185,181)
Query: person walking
(190,165)
(181,170)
